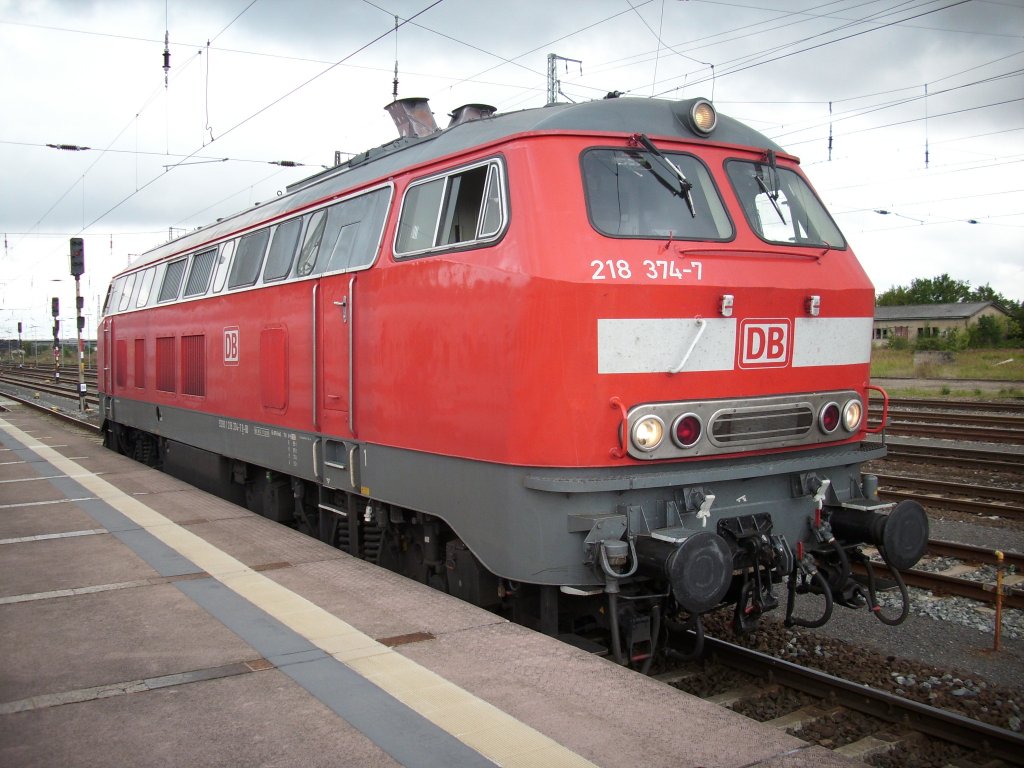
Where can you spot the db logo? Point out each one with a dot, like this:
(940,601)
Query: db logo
(230,346)
(765,343)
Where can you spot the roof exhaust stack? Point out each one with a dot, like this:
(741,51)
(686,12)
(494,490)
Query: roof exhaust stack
(412,117)
(469,112)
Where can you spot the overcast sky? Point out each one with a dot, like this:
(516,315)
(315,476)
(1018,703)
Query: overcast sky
(924,101)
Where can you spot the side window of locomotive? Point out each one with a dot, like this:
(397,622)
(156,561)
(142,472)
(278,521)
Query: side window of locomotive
(311,244)
(199,275)
(631,193)
(146,288)
(353,232)
(172,280)
(110,295)
(248,260)
(220,275)
(282,250)
(279,259)
(490,218)
(780,207)
(419,217)
(458,209)
(126,293)
(463,201)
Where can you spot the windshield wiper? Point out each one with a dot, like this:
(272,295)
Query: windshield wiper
(773,175)
(773,198)
(684,185)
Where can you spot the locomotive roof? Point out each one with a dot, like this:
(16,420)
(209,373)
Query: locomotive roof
(654,117)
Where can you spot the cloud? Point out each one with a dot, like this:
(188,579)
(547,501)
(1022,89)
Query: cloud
(270,87)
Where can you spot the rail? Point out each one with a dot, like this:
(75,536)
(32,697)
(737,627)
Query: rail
(991,740)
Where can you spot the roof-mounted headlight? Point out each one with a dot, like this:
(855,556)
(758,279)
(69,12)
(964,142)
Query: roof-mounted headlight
(703,117)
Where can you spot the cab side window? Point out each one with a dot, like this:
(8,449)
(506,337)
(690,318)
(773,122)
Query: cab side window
(462,208)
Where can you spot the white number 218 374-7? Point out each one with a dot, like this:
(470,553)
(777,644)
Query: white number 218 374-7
(654,270)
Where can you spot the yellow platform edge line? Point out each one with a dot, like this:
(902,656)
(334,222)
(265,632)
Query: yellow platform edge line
(480,725)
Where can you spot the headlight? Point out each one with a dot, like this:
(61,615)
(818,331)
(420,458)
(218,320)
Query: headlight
(828,418)
(648,433)
(852,413)
(703,117)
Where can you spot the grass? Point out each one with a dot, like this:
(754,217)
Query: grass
(984,364)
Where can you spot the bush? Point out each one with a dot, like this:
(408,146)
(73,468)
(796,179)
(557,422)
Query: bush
(987,332)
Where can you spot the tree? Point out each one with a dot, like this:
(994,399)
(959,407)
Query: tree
(938,290)
(945,290)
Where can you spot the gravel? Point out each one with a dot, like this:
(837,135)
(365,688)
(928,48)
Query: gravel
(951,683)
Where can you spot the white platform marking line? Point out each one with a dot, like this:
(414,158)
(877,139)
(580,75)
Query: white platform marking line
(48,536)
(482,726)
(45,503)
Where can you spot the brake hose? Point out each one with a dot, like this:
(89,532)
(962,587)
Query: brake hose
(790,603)
(873,605)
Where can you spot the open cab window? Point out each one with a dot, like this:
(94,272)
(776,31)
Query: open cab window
(462,208)
(780,207)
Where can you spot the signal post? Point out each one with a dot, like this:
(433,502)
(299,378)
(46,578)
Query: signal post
(77,268)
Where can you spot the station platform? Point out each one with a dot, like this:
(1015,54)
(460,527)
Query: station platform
(144,622)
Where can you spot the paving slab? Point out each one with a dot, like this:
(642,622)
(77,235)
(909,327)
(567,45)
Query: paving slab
(580,699)
(258,542)
(52,564)
(16,522)
(258,719)
(68,643)
(380,603)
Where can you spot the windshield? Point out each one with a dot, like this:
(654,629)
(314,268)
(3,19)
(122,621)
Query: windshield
(629,195)
(780,207)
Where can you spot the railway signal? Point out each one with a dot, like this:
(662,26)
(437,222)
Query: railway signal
(55,311)
(77,269)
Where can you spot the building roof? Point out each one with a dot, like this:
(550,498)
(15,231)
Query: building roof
(959,311)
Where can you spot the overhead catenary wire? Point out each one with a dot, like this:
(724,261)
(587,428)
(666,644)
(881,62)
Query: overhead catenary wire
(257,113)
(742,68)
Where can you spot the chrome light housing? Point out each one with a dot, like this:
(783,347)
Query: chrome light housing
(703,117)
(853,412)
(647,433)
(829,418)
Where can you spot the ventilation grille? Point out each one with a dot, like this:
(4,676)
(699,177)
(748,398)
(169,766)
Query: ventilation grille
(744,426)
(193,365)
(165,373)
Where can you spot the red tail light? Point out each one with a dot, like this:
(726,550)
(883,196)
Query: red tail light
(829,418)
(687,430)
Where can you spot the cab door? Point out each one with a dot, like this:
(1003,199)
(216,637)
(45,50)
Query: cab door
(336,320)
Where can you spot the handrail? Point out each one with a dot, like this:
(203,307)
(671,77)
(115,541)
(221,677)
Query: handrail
(885,411)
(620,451)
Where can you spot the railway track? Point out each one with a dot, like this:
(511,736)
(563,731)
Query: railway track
(969,406)
(956,456)
(53,411)
(1003,502)
(987,421)
(837,696)
(953,581)
(66,388)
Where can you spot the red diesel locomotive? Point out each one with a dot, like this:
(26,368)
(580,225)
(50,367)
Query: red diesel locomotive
(606,364)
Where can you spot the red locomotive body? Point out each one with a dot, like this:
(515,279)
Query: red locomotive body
(589,350)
